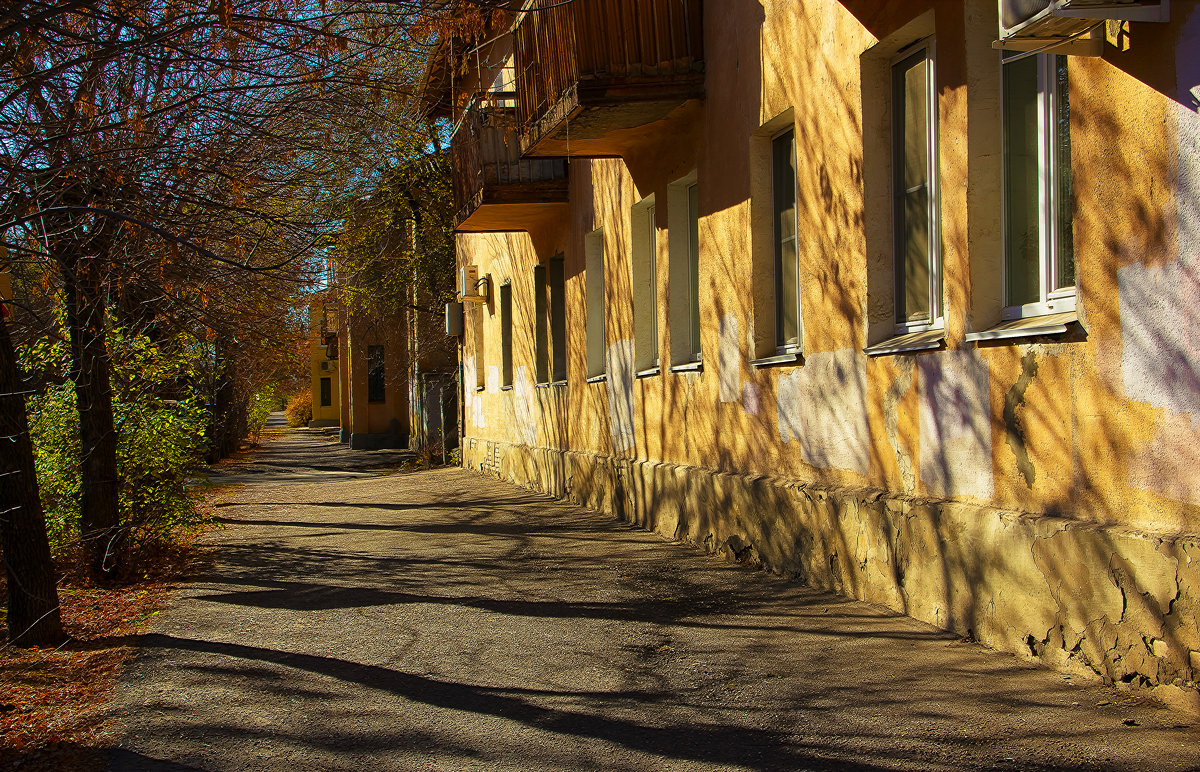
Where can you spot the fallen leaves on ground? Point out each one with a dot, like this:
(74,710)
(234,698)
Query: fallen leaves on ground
(53,701)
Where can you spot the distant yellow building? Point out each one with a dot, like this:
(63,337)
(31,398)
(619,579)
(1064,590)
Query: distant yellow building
(897,298)
(323,357)
(375,411)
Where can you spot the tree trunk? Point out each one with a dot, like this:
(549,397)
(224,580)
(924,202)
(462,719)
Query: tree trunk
(100,517)
(223,436)
(33,613)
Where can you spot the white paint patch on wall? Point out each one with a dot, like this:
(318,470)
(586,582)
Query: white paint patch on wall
(1160,333)
(523,404)
(955,426)
(468,375)
(824,406)
(477,416)
(729,360)
(493,379)
(619,358)
(788,398)
(750,398)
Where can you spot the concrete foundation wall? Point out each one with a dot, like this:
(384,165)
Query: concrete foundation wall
(1108,603)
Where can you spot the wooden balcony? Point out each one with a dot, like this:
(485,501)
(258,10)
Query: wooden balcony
(494,188)
(592,74)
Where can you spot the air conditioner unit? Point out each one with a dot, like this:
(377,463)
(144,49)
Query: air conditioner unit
(470,288)
(325,365)
(1030,24)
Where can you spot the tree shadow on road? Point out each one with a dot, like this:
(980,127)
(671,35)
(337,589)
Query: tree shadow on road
(720,743)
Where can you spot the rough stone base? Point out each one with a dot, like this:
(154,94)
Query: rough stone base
(323,423)
(1117,605)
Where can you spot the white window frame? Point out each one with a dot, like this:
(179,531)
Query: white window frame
(1051,300)
(936,320)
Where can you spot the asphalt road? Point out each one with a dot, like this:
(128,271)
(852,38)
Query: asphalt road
(362,619)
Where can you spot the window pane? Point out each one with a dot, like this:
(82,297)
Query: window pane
(785,186)
(506,360)
(594,300)
(652,243)
(1022,235)
(540,326)
(915,297)
(645,285)
(694,265)
(375,374)
(916,143)
(787,307)
(910,123)
(1064,274)
(326,392)
(558,318)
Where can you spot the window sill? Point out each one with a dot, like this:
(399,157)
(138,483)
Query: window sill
(926,340)
(506,388)
(1028,327)
(552,383)
(598,378)
(688,367)
(480,388)
(786,358)
(649,371)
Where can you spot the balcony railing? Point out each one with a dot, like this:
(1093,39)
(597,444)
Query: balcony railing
(489,172)
(635,60)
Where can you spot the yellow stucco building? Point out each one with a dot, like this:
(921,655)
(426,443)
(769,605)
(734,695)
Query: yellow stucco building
(853,291)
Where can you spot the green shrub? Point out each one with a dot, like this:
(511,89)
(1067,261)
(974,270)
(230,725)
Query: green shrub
(159,416)
(299,409)
(262,404)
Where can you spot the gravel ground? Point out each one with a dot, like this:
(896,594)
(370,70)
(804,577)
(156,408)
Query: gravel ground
(358,618)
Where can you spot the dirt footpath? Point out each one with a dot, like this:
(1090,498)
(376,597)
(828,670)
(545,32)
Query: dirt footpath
(360,620)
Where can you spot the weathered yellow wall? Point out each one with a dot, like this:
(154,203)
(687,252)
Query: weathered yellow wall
(321,366)
(1041,493)
(369,424)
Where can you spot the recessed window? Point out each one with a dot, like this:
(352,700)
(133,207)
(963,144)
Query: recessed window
(787,267)
(645,284)
(593,246)
(1039,253)
(558,318)
(541,326)
(914,193)
(326,392)
(376,391)
(693,266)
(683,227)
(506,323)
